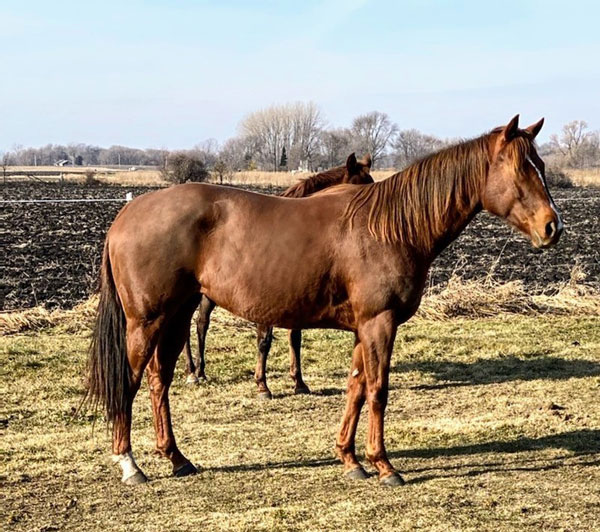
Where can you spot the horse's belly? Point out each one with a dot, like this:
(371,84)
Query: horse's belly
(283,290)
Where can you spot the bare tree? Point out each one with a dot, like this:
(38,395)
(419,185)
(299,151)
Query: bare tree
(336,145)
(578,147)
(265,129)
(5,161)
(238,153)
(306,125)
(372,133)
(208,151)
(293,126)
(410,145)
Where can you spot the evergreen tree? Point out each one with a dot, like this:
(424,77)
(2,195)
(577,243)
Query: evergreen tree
(283,161)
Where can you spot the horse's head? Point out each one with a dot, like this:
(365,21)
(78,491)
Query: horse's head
(357,171)
(516,188)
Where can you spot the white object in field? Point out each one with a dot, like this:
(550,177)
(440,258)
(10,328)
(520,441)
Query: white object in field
(129,196)
(355,373)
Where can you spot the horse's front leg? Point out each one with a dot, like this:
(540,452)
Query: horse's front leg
(377,340)
(264,338)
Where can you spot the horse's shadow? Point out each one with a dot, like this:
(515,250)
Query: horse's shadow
(451,374)
(498,370)
(579,442)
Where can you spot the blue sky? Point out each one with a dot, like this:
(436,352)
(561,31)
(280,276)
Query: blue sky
(158,73)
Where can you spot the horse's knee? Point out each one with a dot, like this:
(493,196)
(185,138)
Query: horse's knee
(377,398)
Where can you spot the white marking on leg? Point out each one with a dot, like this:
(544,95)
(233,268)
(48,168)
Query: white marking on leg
(127,464)
(191,379)
(355,373)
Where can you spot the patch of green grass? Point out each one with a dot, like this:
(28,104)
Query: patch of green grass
(493,422)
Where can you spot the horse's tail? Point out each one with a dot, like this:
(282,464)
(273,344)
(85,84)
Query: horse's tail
(109,371)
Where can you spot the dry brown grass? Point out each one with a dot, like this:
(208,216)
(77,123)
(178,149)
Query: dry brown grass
(148,177)
(458,298)
(585,178)
(152,177)
(282,179)
(77,174)
(138,178)
(494,423)
(486,298)
(33,319)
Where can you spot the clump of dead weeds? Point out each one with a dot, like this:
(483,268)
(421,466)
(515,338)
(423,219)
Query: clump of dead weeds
(488,298)
(79,318)
(482,298)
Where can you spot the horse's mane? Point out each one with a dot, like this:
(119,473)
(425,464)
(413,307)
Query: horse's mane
(411,206)
(314,183)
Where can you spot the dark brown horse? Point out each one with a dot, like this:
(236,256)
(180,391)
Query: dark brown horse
(353,258)
(355,173)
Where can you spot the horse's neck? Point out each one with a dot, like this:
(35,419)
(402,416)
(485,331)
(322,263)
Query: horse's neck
(457,223)
(457,218)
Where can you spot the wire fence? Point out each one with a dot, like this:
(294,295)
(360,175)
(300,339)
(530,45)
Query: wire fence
(128,197)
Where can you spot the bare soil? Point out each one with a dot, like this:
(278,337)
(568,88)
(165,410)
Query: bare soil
(50,252)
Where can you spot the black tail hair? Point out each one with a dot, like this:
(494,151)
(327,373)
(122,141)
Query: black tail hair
(108,368)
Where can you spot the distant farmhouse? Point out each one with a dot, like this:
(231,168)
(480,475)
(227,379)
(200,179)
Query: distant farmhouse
(62,162)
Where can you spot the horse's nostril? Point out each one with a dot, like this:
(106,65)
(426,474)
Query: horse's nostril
(550,229)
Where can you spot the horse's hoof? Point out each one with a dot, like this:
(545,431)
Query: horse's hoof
(186,470)
(191,379)
(392,480)
(358,473)
(137,478)
(302,390)
(265,395)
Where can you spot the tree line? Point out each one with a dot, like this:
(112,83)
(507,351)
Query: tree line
(295,136)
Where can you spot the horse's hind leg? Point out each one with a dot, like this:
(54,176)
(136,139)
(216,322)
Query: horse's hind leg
(204,311)
(141,341)
(295,339)
(264,337)
(355,398)
(160,375)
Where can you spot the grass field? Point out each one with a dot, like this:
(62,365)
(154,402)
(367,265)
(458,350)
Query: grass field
(494,423)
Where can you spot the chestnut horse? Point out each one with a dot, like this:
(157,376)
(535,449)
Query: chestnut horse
(353,257)
(356,173)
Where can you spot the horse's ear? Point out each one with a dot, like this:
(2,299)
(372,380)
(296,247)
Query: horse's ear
(351,163)
(367,160)
(534,129)
(511,129)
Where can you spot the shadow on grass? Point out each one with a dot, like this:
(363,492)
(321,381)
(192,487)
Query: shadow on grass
(580,442)
(497,370)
